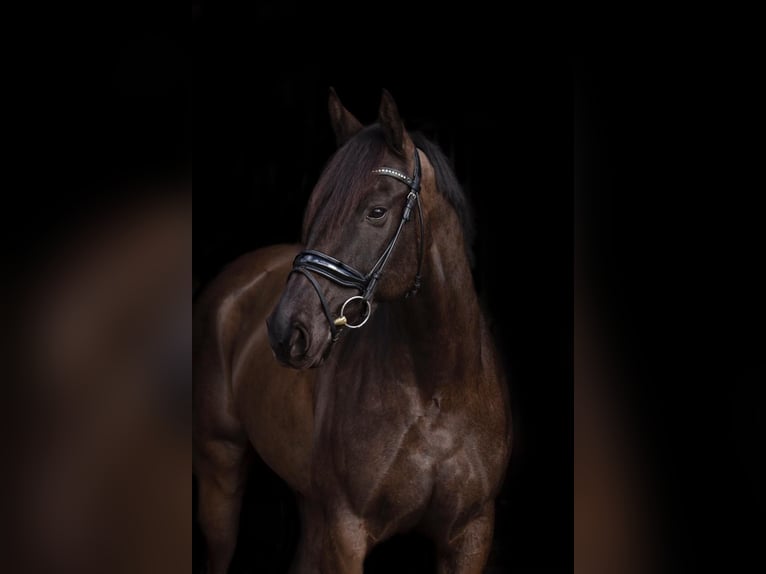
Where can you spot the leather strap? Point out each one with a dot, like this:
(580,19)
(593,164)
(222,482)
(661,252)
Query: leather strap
(331,268)
(325,307)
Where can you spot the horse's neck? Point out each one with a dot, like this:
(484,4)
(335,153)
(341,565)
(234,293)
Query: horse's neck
(444,319)
(432,342)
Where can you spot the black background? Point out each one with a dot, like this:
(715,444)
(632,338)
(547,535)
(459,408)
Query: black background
(669,174)
(262,136)
(98,110)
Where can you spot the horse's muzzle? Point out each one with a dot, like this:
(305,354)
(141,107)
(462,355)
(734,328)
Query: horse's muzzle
(295,341)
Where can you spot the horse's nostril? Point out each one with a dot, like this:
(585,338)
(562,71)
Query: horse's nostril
(299,342)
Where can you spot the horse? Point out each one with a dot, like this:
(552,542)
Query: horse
(378,396)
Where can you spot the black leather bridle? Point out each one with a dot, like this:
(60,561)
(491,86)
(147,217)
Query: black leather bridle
(310,261)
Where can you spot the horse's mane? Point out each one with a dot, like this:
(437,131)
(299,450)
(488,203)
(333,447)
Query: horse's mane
(353,163)
(449,187)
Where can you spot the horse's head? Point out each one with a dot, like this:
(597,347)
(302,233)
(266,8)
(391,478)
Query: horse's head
(363,232)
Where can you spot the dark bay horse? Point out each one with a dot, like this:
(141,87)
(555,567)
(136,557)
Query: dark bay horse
(405,423)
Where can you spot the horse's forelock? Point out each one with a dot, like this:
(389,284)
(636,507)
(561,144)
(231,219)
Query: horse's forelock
(342,181)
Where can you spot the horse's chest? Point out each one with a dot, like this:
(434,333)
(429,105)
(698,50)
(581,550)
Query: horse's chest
(395,476)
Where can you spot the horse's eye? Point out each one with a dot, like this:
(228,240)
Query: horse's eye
(376,212)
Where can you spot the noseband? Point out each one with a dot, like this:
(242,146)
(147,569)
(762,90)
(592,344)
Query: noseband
(309,262)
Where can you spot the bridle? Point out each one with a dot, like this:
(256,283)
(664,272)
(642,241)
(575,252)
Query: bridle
(310,261)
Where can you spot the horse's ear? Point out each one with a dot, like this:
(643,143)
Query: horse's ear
(393,126)
(344,124)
